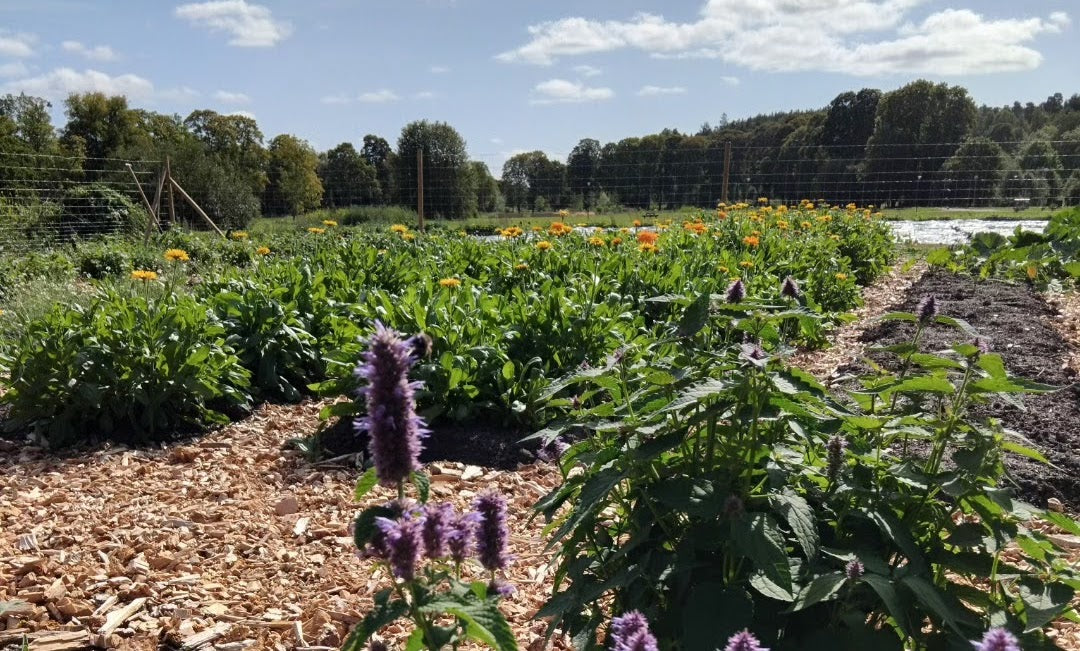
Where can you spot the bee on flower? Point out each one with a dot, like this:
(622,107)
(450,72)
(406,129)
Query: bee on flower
(177,255)
(450,282)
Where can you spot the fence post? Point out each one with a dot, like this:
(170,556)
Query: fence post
(420,187)
(727,170)
(172,201)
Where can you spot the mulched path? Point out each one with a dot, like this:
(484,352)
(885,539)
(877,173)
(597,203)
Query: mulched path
(1027,332)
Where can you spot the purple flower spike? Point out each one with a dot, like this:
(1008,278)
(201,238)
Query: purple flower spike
(789,288)
(404,541)
(391,421)
(835,454)
(854,569)
(492,535)
(439,520)
(460,536)
(630,632)
(744,641)
(501,588)
(927,309)
(736,292)
(997,639)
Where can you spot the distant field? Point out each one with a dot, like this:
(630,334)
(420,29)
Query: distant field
(945,214)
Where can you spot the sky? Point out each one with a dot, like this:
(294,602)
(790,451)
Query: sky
(520,75)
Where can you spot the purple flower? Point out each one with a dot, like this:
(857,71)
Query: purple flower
(983,344)
(744,641)
(630,632)
(404,540)
(439,521)
(377,546)
(492,535)
(460,536)
(854,569)
(927,309)
(391,420)
(997,639)
(835,456)
(501,588)
(789,288)
(736,292)
(553,450)
(421,345)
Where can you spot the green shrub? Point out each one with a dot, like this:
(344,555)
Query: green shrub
(102,259)
(94,209)
(137,367)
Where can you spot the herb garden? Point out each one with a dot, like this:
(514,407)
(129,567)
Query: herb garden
(583,438)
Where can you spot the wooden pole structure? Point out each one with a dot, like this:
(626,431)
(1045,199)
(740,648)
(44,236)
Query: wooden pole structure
(172,203)
(727,170)
(151,219)
(420,187)
(194,205)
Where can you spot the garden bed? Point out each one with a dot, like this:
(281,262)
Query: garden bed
(1027,332)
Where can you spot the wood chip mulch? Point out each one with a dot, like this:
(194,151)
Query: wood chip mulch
(228,542)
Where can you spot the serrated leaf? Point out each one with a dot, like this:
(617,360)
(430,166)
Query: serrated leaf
(423,485)
(695,316)
(992,364)
(800,517)
(483,620)
(945,606)
(1043,602)
(925,384)
(384,612)
(757,537)
(821,588)
(926,360)
(894,603)
(367,481)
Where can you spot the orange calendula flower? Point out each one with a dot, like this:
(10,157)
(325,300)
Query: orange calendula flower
(450,282)
(646,247)
(751,240)
(648,237)
(596,241)
(616,241)
(1032,272)
(511,232)
(263,250)
(637,222)
(144,275)
(558,229)
(543,245)
(806,225)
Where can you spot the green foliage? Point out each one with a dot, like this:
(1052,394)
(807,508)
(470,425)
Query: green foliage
(140,363)
(715,488)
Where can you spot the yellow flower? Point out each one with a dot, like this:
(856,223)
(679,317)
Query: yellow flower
(399,228)
(263,250)
(624,230)
(521,266)
(450,282)
(697,228)
(143,275)
(746,264)
(616,241)
(238,235)
(1032,272)
(751,240)
(511,232)
(825,219)
(564,213)
(177,255)
(763,200)
(316,231)
(543,245)
(782,225)
(646,247)
(408,237)
(558,229)
(537,229)
(329,223)
(596,241)
(721,215)
(841,276)
(582,225)
(806,224)
(722,269)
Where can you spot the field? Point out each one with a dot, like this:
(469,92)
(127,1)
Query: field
(759,419)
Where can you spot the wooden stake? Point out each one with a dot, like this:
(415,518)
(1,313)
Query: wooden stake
(420,187)
(184,195)
(727,170)
(172,204)
(146,202)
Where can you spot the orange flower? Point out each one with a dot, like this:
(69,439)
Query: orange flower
(646,247)
(648,237)
(751,240)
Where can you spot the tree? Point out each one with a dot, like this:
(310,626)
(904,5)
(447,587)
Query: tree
(378,153)
(347,179)
(581,168)
(975,170)
(235,140)
(485,187)
(100,126)
(447,188)
(294,186)
(530,175)
(1041,165)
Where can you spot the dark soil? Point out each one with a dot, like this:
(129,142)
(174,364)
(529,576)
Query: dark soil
(1016,321)
(475,444)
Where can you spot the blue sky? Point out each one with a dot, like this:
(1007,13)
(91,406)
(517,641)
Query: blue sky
(518,75)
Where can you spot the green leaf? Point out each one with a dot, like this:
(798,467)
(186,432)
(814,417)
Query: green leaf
(894,603)
(364,527)
(415,641)
(992,364)
(757,537)
(822,588)
(945,606)
(508,371)
(1043,602)
(367,481)
(695,316)
(1009,385)
(484,622)
(1023,450)
(935,361)
(1063,521)
(423,485)
(384,612)
(925,384)
(343,409)
(800,517)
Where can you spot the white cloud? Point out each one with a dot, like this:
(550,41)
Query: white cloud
(647,91)
(561,91)
(249,25)
(179,94)
(96,53)
(228,97)
(16,45)
(587,71)
(371,97)
(425,94)
(243,114)
(61,82)
(859,37)
(730,81)
(439,70)
(377,97)
(16,69)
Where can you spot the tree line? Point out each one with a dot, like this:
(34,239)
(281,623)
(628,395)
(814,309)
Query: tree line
(924,143)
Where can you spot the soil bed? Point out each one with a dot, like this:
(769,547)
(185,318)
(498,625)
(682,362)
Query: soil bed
(1023,328)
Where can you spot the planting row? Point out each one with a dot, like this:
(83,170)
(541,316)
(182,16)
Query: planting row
(187,331)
